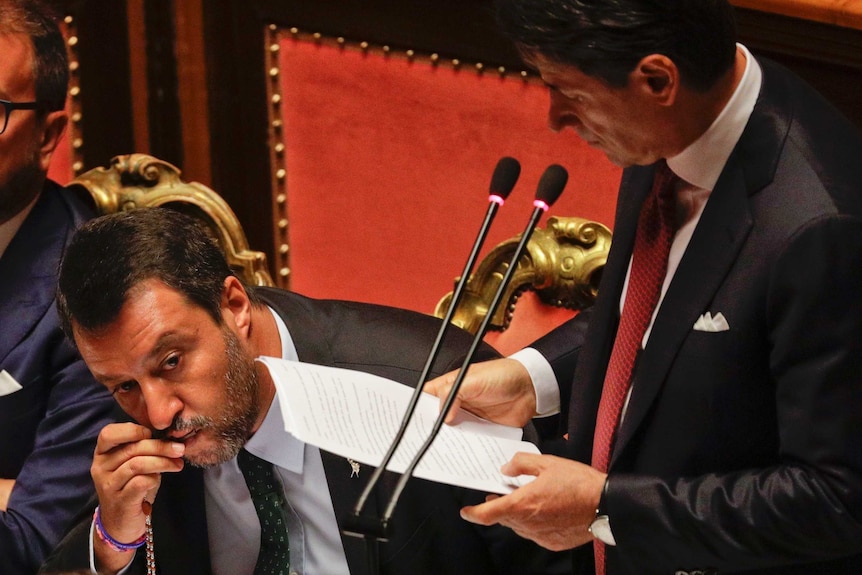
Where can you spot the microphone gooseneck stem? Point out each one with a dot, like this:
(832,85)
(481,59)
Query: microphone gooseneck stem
(493,207)
(540,209)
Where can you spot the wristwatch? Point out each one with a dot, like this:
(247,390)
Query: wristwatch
(601,525)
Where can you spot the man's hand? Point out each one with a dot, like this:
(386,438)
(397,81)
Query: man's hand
(554,510)
(6,486)
(126,470)
(498,390)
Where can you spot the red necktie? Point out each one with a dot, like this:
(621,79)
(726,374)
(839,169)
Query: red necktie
(649,267)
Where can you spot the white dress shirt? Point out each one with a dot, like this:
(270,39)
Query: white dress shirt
(699,166)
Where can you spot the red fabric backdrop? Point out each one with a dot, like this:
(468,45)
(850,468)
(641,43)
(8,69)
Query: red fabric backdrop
(388,166)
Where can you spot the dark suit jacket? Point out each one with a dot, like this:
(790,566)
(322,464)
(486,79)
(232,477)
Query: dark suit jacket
(742,449)
(48,428)
(428,534)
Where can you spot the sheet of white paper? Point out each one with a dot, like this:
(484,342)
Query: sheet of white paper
(356,414)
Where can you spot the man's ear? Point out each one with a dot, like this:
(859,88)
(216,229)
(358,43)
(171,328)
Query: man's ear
(659,78)
(53,127)
(235,306)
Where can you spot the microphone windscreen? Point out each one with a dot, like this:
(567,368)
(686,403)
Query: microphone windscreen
(551,184)
(505,175)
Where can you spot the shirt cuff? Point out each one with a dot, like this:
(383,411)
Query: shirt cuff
(543,378)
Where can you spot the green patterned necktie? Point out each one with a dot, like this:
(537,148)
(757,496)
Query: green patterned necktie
(268,498)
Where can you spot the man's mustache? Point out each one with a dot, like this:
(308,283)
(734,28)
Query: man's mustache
(179,424)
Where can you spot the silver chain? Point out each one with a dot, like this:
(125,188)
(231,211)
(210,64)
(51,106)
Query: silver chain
(151,554)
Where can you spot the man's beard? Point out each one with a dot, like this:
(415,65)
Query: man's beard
(232,427)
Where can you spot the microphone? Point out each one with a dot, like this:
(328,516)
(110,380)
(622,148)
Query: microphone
(503,180)
(550,187)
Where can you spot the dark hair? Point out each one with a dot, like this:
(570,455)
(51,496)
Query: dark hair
(607,38)
(38,20)
(111,255)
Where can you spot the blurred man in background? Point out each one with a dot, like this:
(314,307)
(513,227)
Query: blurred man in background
(51,409)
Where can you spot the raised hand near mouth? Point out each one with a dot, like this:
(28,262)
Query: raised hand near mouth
(127,467)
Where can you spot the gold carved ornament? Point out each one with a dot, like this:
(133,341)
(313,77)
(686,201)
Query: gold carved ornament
(139,180)
(562,264)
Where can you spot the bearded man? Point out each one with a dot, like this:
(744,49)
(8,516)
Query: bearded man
(164,324)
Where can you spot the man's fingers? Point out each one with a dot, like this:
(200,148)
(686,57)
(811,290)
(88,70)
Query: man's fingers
(441,385)
(126,476)
(128,460)
(169,449)
(112,460)
(524,464)
(499,390)
(492,511)
(453,411)
(150,465)
(117,434)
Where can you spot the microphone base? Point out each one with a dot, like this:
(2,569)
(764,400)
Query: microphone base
(366,527)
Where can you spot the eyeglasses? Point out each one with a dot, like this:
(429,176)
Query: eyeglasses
(8,107)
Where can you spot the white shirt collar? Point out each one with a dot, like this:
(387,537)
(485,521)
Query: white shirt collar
(701,163)
(271,442)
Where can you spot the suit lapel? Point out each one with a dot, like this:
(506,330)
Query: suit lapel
(28,269)
(638,185)
(712,251)
(715,244)
(345,491)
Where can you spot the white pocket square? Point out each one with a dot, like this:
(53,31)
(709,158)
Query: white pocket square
(7,383)
(708,322)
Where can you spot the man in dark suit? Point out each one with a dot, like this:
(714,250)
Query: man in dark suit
(51,409)
(163,323)
(735,442)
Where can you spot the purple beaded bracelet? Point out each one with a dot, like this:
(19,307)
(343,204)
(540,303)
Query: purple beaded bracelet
(113,543)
